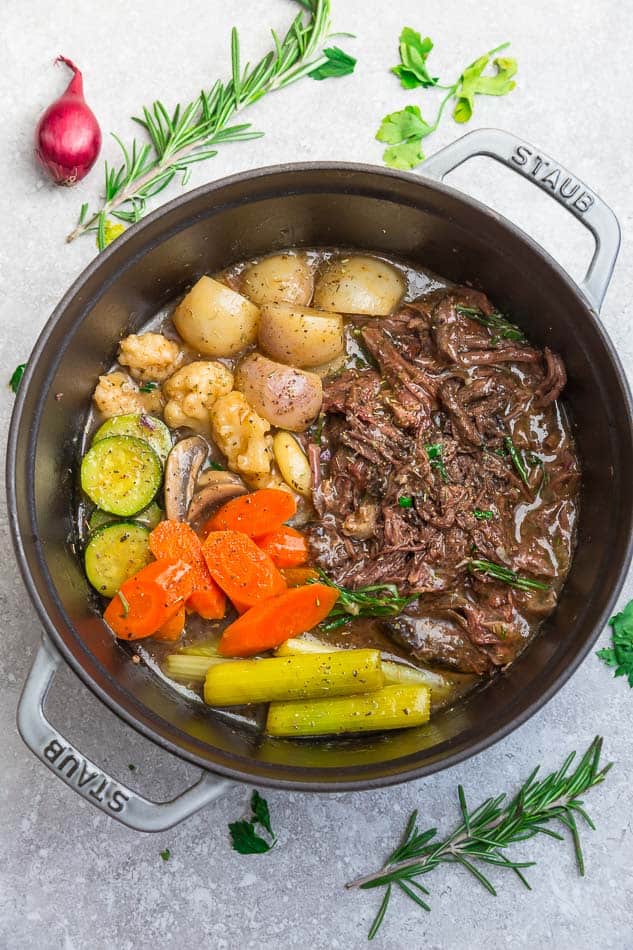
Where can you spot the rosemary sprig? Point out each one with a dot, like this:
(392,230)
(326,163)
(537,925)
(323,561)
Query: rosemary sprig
(517,460)
(504,330)
(505,574)
(192,133)
(486,831)
(377,600)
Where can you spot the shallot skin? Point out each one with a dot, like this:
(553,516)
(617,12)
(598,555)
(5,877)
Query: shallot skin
(68,137)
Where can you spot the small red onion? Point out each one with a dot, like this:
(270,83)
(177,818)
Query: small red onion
(68,137)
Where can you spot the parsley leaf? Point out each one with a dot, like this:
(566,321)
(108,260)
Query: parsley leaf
(16,377)
(148,387)
(403,131)
(166,854)
(414,51)
(244,838)
(338,64)
(472,83)
(620,655)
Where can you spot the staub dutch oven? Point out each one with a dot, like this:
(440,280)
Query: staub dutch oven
(416,218)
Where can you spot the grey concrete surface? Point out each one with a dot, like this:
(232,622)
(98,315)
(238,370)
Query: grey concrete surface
(69,877)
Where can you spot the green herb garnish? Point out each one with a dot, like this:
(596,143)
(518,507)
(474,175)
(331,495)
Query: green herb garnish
(192,132)
(517,460)
(16,377)
(486,831)
(166,854)
(505,574)
(405,501)
(125,603)
(216,467)
(148,387)
(318,432)
(483,514)
(244,838)
(620,655)
(504,330)
(434,455)
(377,600)
(404,131)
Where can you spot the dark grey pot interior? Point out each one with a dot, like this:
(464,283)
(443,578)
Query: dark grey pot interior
(361,207)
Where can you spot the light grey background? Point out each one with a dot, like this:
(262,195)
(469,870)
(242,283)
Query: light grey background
(71,878)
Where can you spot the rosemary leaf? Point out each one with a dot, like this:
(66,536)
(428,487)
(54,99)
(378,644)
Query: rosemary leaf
(377,600)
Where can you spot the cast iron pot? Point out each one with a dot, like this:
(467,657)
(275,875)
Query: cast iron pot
(251,214)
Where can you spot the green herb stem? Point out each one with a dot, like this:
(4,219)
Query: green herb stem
(504,574)
(378,600)
(517,460)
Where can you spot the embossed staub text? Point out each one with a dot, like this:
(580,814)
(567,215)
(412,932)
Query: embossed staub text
(90,782)
(548,175)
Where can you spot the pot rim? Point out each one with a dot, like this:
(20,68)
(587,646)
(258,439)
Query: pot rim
(464,749)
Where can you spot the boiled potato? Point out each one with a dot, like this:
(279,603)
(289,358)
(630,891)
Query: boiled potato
(359,285)
(280,278)
(300,336)
(292,462)
(215,320)
(287,397)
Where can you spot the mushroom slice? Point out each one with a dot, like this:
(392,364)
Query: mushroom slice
(181,474)
(214,490)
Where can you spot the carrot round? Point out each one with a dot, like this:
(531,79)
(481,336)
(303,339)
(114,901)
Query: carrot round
(245,573)
(285,546)
(256,513)
(271,623)
(172,630)
(149,599)
(175,539)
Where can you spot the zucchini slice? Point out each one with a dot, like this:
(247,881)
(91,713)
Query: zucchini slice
(121,475)
(140,426)
(149,517)
(114,554)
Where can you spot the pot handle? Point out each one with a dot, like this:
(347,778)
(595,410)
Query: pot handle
(555,180)
(87,779)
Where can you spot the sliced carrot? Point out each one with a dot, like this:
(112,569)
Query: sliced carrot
(285,546)
(172,630)
(271,623)
(298,576)
(245,573)
(149,599)
(176,539)
(256,513)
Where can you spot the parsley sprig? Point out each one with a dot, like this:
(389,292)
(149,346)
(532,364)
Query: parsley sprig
(244,837)
(404,131)
(620,654)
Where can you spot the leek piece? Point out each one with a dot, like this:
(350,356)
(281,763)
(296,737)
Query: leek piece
(204,648)
(293,677)
(394,707)
(179,666)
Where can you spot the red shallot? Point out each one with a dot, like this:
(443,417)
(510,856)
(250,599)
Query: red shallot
(68,137)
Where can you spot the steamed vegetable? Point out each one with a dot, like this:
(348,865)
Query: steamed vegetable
(215,320)
(270,623)
(278,278)
(176,539)
(190,668)
(140,426)
(115,553)
(191,392)
(286,397)
(394,707)
(358,284)
(121,474)
(173,628)
(149,518)
(292,462)
(300,336)
(254,514)
(244,572)
(286,547)
(149,599)
(293,677)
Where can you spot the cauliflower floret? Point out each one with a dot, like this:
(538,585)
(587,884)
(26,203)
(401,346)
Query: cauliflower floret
(243,436)
(191,392)
(117,394)
(149,356)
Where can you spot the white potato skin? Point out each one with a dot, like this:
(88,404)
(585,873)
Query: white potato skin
(243,436)
(292,462)
(277,279)
(300,336)
(359,284)
(288,398)
(215,320)
(149,356)
(191,392)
